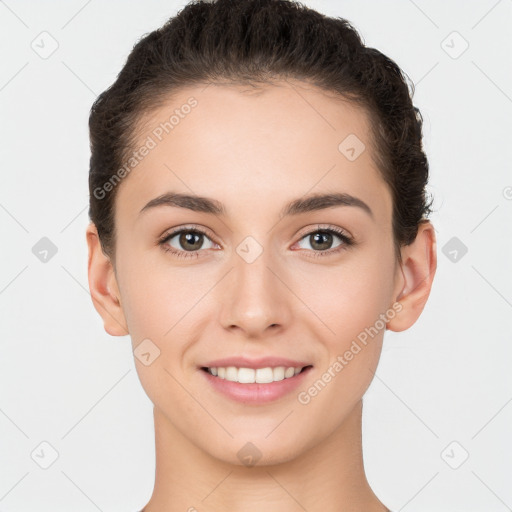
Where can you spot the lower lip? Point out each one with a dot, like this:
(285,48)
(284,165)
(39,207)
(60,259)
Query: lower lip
(256,393)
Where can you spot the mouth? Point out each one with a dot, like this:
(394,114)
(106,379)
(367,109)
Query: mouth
(265,375)
(255,386)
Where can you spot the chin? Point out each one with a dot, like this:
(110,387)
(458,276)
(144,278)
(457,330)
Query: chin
(249,451)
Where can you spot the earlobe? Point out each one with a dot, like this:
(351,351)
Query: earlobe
(103,286)
(418,267)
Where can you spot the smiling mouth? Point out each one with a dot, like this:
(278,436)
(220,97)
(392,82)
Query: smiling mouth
(255,376)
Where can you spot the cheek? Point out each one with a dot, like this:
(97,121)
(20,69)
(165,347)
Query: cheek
(349,298)
(156,296)
(348,301)
(158,304)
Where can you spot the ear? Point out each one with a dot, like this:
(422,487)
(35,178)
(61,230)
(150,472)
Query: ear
(414,277)
(103,286)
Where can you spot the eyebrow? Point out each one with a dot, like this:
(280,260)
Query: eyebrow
(313,202)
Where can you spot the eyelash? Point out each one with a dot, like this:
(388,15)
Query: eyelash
(347,241)
(180,254)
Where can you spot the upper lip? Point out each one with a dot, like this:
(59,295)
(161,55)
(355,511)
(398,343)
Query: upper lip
(262,362)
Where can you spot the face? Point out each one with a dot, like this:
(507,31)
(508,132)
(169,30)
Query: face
(255,280)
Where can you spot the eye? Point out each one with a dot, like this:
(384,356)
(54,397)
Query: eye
(186,242)
(322,239)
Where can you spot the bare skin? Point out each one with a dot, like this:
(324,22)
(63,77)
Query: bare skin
(254,153)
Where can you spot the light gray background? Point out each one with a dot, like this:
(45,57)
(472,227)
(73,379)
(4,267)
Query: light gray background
(66,382)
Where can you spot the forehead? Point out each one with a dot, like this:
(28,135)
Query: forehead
(262,145)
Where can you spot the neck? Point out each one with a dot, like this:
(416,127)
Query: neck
(329,476)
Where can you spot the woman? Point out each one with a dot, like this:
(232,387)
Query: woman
(258,220)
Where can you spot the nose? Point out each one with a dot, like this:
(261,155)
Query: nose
(255,299)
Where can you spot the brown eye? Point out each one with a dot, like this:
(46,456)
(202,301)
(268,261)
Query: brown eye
(323,241)
(190,241)
(186,240)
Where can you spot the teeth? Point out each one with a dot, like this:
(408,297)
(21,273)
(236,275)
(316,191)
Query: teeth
(250,375)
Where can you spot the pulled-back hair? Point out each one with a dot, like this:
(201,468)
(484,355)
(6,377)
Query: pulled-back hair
(259,42)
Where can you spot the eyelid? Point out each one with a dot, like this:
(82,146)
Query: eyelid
(345,237)
(188,227)
(347,241)
(323,227)
(205,231)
